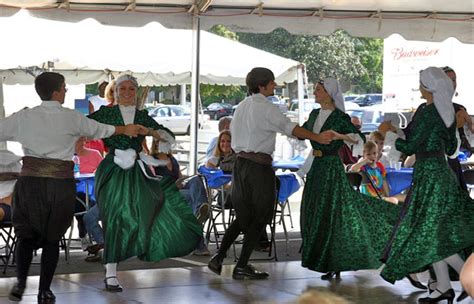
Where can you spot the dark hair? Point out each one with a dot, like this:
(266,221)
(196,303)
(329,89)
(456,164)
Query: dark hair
(258,77)
(48,82)
(448,69)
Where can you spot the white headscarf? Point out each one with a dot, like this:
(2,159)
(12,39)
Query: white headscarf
(334,90)
(435,81)
(9,162)
(119,80)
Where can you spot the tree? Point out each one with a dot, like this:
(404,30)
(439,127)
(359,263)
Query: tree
(217,93)
(370,52)
(324,56)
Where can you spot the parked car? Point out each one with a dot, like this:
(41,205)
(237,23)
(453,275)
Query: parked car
(176,118)
(371,118)
(217,110)
(310,105)
(350,97)
(368,100)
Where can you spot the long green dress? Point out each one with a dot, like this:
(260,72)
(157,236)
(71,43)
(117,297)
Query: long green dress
(439,218)
(342,229)
(142,217)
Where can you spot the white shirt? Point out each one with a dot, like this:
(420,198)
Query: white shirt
(255,124)
(50,131)
(97,102)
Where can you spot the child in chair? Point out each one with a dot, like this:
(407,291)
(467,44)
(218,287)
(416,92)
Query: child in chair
(375,173)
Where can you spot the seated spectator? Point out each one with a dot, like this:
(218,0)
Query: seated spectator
(10,167)
(224,124)
(89,160)
(374,170)
(378,138)
(192,188)
(223,156)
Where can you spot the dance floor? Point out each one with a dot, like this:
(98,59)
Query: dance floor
(199,285)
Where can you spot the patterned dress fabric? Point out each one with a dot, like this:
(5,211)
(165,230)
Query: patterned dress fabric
(141,217)
(342,229)
(438,220)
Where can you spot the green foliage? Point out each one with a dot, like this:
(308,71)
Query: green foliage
(351,60)
(224,32)
(370,52)
(217,93)
(92,88)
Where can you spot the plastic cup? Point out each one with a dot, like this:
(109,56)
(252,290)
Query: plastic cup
(398,166)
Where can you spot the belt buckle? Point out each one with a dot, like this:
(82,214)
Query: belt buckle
(317,153)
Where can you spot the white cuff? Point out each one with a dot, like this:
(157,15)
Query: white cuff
(358,148)
(165,136)
(458,139)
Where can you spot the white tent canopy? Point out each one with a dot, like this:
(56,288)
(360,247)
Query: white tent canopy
(429,20)
(87,51)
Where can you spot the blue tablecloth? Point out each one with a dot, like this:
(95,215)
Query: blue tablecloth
(292,164)
(288,185)
(217,178)
(83,181)
(399,180)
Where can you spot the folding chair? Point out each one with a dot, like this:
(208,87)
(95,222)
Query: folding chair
(9,239)
(216,181)
(355,179)
(84,184)
(469,179)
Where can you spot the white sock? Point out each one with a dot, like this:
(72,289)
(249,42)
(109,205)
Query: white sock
(455,261)
(414,277)
(111,271)
(442,275)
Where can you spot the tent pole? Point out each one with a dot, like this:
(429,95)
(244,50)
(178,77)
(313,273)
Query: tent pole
(182,95)
(300,80)
(194,95)
(3,144)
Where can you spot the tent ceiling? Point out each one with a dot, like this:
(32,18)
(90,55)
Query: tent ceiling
(431,20)
(87,51)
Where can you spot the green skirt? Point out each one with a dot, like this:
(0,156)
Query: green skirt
(438,223)
(142,217)
(342,229)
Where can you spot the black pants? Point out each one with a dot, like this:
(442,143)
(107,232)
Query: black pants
(49,261)
(253,197)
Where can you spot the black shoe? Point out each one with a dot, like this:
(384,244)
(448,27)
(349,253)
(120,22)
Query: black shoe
(416,284)
(16,293)
(249,272)
(462,296)
(330,275)
(112,288)
(215,264)
(46,296)
(447,295)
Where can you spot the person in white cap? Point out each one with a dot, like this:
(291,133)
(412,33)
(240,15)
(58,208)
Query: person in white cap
(342,229)
(96,101)
(10,168)
(45,192)
(437,220)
